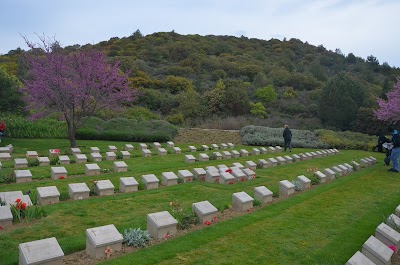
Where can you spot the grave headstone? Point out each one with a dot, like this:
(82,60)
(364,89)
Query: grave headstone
(255,152)
(128,147)
(263,150)
(20,163)
(0,165)
(338,171)
(92,169)
(96,157)
(314,154)
(273,162)
(263,194)
(224,146)
(388,236)
(319,154)
(296,158)
(146,153)
(94,150)
(156,145)
(397,211)
(370,161)
(305,182)
(64,160)
(278,148)
(205,147)
(161,225)
(242,202)
(359,259)
(281,160)
(5,150)
(192,148)
(288,159)
(161,151)
(44,251)
(235,154)
(22,176)
(376,251)
(205,212)
(185,175)
(75,151)
(11,197)
(125,155)
(214,146)
(142,146)
(54,152)
(344,169)
(239,175)
(321,176)
(78,191)
(355,165)
(227,178)
(176,150)
(217,156)
(231,145)
(286,188)
(330,174)
(48,195)
(226,155)
(6,216)
(150,181)
(244,152)
(262,163)
(5,156)
(363,162)
(170,144)
(373,159)
(308,155)
(324,153)
(31,154)
(250,164)
(203,157)
(111,156)
(128,184)
(44,161)
(211,168)
(199,173)
(81,158)
(190,159)
(104,187)
(120,166)
(250,174)
(169,179)
(212,176)
(394,219)
(98,239)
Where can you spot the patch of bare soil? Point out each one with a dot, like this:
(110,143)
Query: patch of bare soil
(207,136)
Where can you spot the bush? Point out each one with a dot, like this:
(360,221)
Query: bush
(346,140)
(136,237)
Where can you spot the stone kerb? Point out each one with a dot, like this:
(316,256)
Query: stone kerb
(170,144)
(44,251)
(255,152)
(190,159)
(78,191)
(262,163)
(359,259)
(104,188)
(169,179)
(6,216)
(321,176)
(156,145)
(161,225)
(217,156)
(80,158)
(120,166)
(31,154)
(128,147)
(281,160)
(244,153)
(199,173)
(20,163)
(48,195)
(64,160)
(128,184)
(161,151)
(22,176)
(273,162)
(176,150)
(203,157)
(226,155)
(330,174)
(227,178)
(286,188)
(242,202)
(185,175)
(92,169)
(125,155)
(98,239)
(235,154)
(304,182)
(250,164)
(205,211)
(376,251)
(146,152)
(212,176)
(112,148)
(388,236)
(150,181)
(263,194)
(44,161)
(111,156)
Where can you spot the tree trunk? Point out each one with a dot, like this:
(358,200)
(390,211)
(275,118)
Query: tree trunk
(71,135)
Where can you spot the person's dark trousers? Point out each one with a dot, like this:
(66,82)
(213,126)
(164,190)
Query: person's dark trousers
(288,144)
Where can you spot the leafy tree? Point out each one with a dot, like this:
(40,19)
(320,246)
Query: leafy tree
(76,85)
(340,99)
(373,62)
(351,58)
(190,104)
(290,93)
(236,100)
(389,110)
(10,98)
(266,94)
(176,84)
(258,110)
(215,98)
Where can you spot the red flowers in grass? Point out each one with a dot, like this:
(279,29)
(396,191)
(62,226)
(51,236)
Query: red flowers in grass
(207,223)
(18,200)
(20,204)
(61,177)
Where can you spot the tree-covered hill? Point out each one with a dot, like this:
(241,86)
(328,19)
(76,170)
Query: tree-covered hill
(209,80)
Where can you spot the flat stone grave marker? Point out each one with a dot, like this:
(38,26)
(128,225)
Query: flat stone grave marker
(321,176)
(304,182)
(319,153)
(335,150)
(355,165)
(363,162)
(10,147)
(281,160)
(314,154)
(203,157)
(170,144)
(5,156)
(161,151)
(373,159)
(161,225)
(64,160)
(250,164)
(81,158)
(303,157)
(278,148)
(128,147)
(44,161)
(104,187)
(44,251)
(244,152)
(324,153)
(128,184)
(111,156)
(263,150)
(227,178)
(250,174)
(92,169)
(349,167)
(288,159)
(262,163)
(308,156)
(226,155)
(190,159)
(125,155)
(338,171)
(376,251)
(156,145)
(22,176)
(48,195)
(242,202)
(370,161)
(169,179)
(359,259)
(388,236)
(212,176)
(263,194)
(150,181)
(211,168)
(235,154)
(239,175)
(98,239)
(97,157)
(296,158)
(75,151)
(214,146)
(0,165)
(120,166)
(200,174)
(20,162)
(272,161)
(397,211)
(224,146)
(191,148)
(205,147)
(231,145)
(78,191)
(217,156)
(94,150)
(394,219)
(31,154)
(222,166)
(142,146)
(286,188)
(330,174)
(344,169)
(176,150)
(205,212)
(10,198)
(5,150)
(255,152)
(6,216)
(146,153)
(185,175)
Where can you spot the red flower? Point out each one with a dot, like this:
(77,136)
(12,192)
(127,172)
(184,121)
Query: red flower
(23,206)
(166,236)
(393,248)
(243,179)
(61,177)
(228,170)
(18,200)
(207,223)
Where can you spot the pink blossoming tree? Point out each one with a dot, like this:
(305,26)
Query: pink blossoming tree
(389,110)
(76,85)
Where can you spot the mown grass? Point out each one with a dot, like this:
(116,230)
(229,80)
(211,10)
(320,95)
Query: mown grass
(325,225)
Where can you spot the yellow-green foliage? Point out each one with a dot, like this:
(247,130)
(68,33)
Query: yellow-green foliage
(347,139)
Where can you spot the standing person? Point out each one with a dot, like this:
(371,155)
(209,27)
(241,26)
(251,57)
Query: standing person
(395,151)
(381,140)
(287,137)
(2,129)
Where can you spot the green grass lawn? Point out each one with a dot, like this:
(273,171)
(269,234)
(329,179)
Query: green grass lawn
(325,225)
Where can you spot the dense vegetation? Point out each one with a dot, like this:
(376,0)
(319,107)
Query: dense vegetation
(202,80)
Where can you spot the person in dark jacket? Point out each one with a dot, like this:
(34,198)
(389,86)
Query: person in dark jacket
(287,137)
(381,140)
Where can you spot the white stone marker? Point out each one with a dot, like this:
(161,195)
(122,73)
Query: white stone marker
(142,146)
(304,182)
(150,181)
(81,158)
(205,212)
(239,175)
(235,154)
(227,178)
(92,169)
(231,145)
(10,197)
(308,156)
(373,159)
(296,158)
(128,147)
(44,161)
(104,188)
(161,151)
(170,144)
(288,159)
(314,154)
(54,152)
(185,175)
(98,239)
(319,153)
(226,155)
(169,179)
(217,156)
(64,160)
(5,150)
(355,165)
(22,176)
(363,162)
(20,162)
(94,150)
(203,157)
(349,167)
(156,145)
(263,150)
(191,148)
(262,163)
(146,153)
(330,174)
(250,164)
(250,174)
(321,176)
(212,176)
(244,152)
(214,146)
(161,225)
(344,169)
(242,202)
(281,160)
(359,259)
(48,195)
(128,184)
(255,152)
(176,150)
(388,236)
(224,146)
(199,173)
(78,191)
(5,156)
(75,151)
(376,251)
(273,162)
(271,149)
(0,165)
(125,155)
(370,161)
(338,171)
(111,156)
(96,157)
(44,251)
(190,159)
(278,148)
(394,219)
(6,216)
(397,211)
(263,194)
(286,188)
(31,154)
(205,147)
(120,166)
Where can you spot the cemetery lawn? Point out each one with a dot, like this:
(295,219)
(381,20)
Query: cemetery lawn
(324,225)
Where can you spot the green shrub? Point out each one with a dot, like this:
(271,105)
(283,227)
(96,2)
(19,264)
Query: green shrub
(136,237)
(347,140)
(33,162)
(7,178)
(256,202)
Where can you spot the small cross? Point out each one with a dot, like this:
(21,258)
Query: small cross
(27,247)
(108,252)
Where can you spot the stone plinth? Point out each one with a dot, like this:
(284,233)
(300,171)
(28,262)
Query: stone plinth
(239,175)
(242,202)
(296,158)
(250,164)
(273,162)
(156,145)
(128,184)
(22,176)
(281,160)
(397,211)
(111,156)
(344,169)
(199,173)
(125,155)
(176,150)
(20,163)
(185,175)
(376,251)
(373,159)
(255,152)
(288,159)
(5,150)
(81,158)
(104,188)
(231,145)
(244,152)
(78,191)
(64,160)
(263,150)
(262,163)
(98,239)
(92,169)
(235,154)
(44,161)
(161,225)
(349,167)
(170,144)
(150,181)
(388,236)
(356,166)
(319,153)
(359,259)
(6,216)
(205,212)
(96,157)
(330,174)
(263,194)
(128,147)
(271,149)
(224,146)
(146,153)
(205,147)
(250,174)
(278,148)
(217,156)
(5,156)
(190,159)
(321,176)
(161,151)
(94,150)
(338,171)
(120,166)
(363,162)
(31,154)
(286,188)
(10,197)
(226,155)
(191,148)
(45,251)
(75,151)
(304,182)
(227,178)
(203,157)
(142,146)
(169,179)
(214,146)
(212,176)
(48,195)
